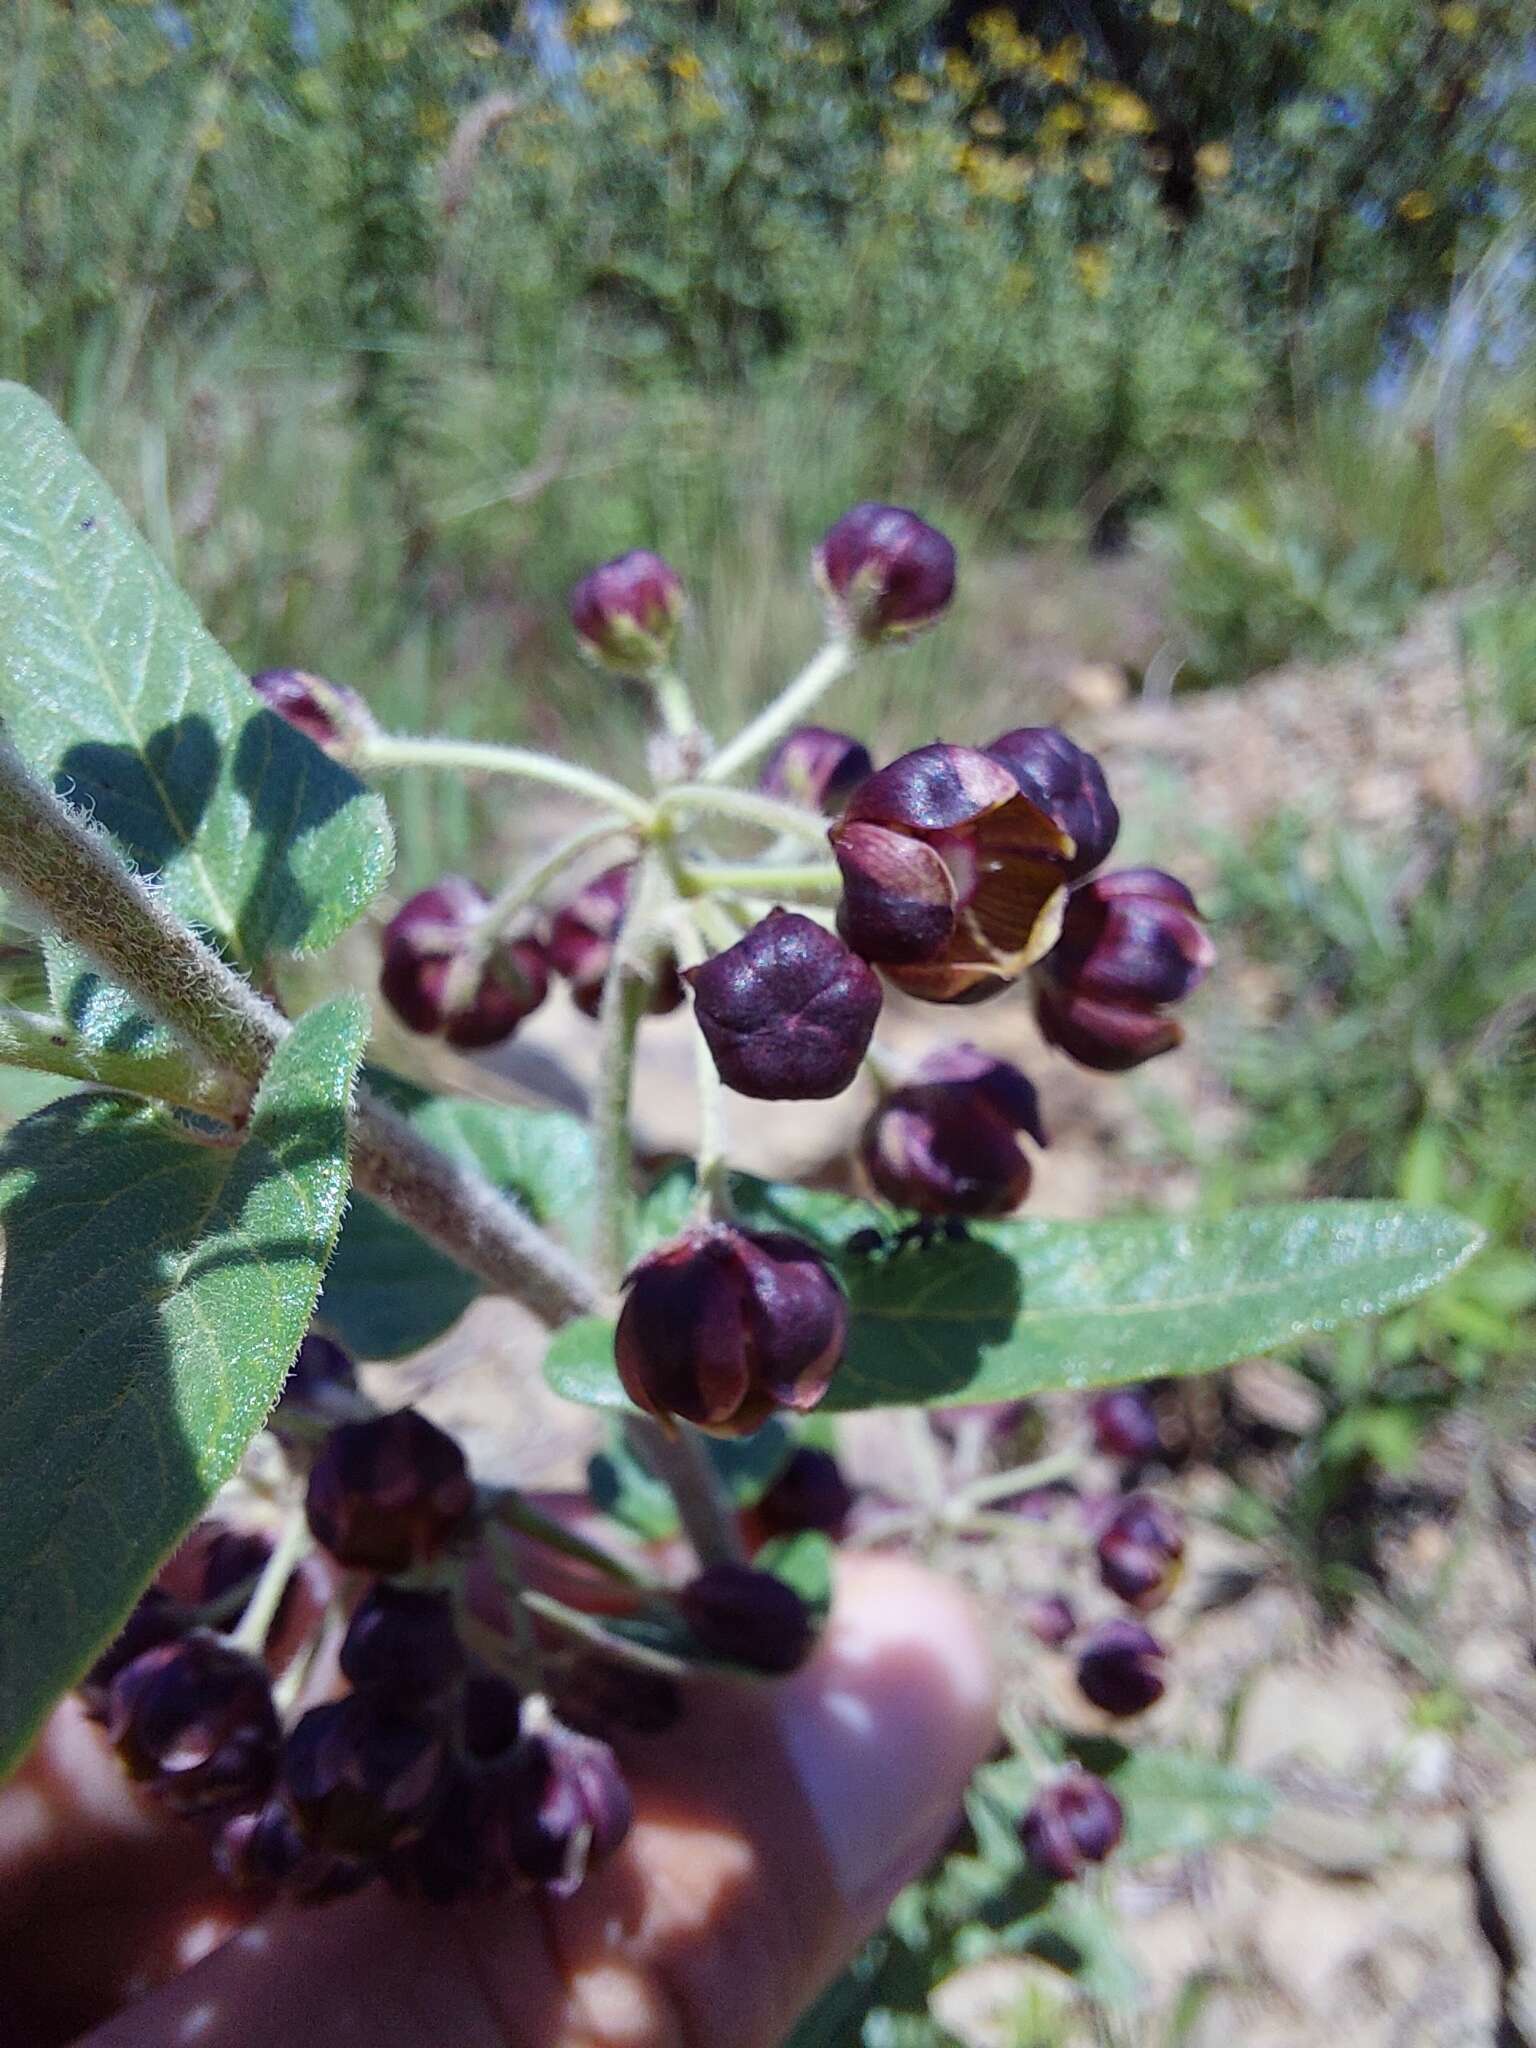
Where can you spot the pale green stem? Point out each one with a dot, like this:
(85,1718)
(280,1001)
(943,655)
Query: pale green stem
(997,1486)
(527,886)
(825,667)
(793,882)
(927,1465)
(883,1068)
(388,750)
(680,1460)
(622,1649)
(47,1046)
(256,1623)
(746,807)
(675,705)
(517,1512)
(625,996)
(712,1197)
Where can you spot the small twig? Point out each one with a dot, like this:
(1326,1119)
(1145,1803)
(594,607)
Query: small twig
(385,750)
(261,1610)
(825,667)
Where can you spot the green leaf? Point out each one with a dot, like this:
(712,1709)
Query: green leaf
(156,1289)
(388,1291)
(803,1561)
(110,685)
(1022,1308)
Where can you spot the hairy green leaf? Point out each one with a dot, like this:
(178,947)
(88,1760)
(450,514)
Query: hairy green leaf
(389,1292)
(110,685)
(1021,1308)
(156,1289)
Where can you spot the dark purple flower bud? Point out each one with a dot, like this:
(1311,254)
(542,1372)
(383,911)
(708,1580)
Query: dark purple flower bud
(748,1617)
(581,940)
(567,1806)
(596,1696)
(953,881)
(722,1326)
(1069,787)
(1124,1423)
(945,1143)
(1120,1668)
(1131,943)
(626,613)
(1141,1551)
(361,1776)
(402,1642)
(320,1387)
(788,1011)
(265,1852)
(1109,1038)
(388,1493)
(491,1717)
(194,1720)
(1050,1620)
(441,980)
(157,1619)
(817,767)
(464,1851)
(810,1493)
(885,573)
(1074,1820)
(330,714)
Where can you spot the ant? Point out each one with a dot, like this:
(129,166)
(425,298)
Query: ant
(870,1243)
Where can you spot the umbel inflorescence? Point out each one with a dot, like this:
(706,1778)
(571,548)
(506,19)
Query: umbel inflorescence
(386,1689)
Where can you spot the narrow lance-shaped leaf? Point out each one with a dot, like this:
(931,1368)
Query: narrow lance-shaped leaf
(156,1289)
(1022,1308)
(110,685)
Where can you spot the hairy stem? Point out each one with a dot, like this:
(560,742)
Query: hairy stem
(827,666)
(747,807)
(680,1459)
(389,750)
(255,1624)
(78,883)
(814,881)
(529,884)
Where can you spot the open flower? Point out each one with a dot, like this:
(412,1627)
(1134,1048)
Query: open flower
(954,881)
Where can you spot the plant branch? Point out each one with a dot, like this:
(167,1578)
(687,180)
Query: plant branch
(46,1045)
(680,1460)
(816,881)
(73,876)
(391,751)
(824,668)
(747,807)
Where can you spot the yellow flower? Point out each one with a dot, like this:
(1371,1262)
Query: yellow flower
(702,106)
(1065,118)
(1522,431)
(1416,205)
(1460,19)
(685,65)
(1063,64)
(1122,111)
(989,122)
(827,50)
(481,47)
(1097,168)
(1213,161)
(914,90)
(997,25)
(1092,263)
(991,175)
(208,136)
(963,75)
(598,17)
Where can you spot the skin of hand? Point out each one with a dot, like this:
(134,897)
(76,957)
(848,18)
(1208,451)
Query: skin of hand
(773,1828)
